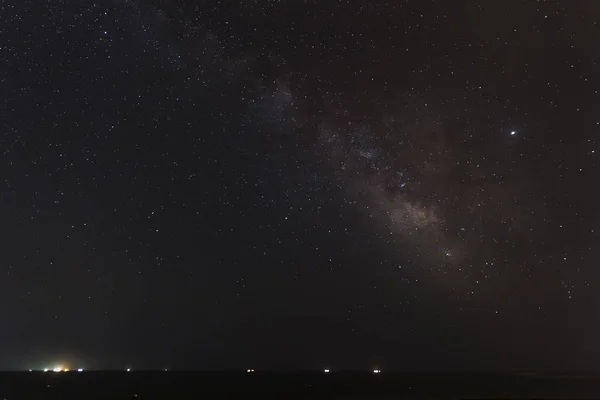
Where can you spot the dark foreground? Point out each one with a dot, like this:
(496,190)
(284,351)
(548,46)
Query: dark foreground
(195,385)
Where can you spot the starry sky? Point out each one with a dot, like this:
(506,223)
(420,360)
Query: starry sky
(409,185)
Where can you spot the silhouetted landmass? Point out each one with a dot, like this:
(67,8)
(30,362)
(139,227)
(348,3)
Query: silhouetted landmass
(347,385)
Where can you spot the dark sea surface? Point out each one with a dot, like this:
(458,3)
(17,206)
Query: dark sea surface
(340,385)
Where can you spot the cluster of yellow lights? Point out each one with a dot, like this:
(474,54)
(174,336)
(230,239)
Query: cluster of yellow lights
(60,368)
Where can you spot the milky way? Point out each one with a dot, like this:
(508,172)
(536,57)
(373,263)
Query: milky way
(439,175)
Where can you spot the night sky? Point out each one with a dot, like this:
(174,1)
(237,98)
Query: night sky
(409,185)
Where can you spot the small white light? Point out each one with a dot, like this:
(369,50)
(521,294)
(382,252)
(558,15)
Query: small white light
(376,371)
(128,369)
(45,369)
(513,133)
(165,370)
(326,371)
(249,370)
(30,370)
(79,369)
(57,369)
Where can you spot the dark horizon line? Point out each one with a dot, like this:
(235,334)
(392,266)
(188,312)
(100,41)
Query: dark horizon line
(311,371)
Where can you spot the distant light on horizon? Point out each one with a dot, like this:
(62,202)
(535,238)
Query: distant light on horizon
(79,369)
(128,369)
(57,369)
(249,370)
(326,370)
(376,371)
(45,369)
